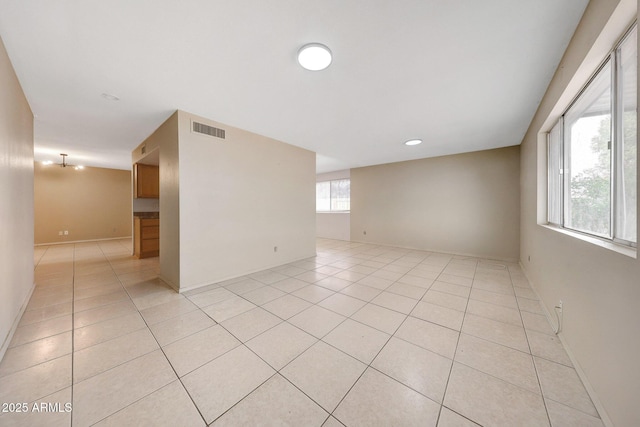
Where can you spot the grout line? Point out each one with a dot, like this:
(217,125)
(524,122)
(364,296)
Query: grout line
(368,365)
(278,371)
(73,329)
(459,414)
(159,348)
(43,362)
(453,360)
(535,366)
(246,396)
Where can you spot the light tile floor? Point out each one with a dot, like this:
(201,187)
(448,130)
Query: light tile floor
(358,335)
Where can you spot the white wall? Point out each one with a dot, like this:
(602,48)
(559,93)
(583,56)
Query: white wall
(165,140)
(600,288)
(239,198)
(466,204)
(16,200)
(333,225)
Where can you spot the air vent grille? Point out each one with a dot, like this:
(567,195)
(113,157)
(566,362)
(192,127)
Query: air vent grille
(208,130)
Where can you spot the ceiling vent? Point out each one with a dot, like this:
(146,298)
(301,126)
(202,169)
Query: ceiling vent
(207,130)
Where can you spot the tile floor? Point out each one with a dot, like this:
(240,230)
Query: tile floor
(359,335)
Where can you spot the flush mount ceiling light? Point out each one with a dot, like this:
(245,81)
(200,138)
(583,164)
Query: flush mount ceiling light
(413,142)
(314,57)
(110,97)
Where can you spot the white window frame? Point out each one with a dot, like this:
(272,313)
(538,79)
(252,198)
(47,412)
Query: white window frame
(617,143)
(330,210)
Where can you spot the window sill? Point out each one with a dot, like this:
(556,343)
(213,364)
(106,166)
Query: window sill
(623,250)
(333,212)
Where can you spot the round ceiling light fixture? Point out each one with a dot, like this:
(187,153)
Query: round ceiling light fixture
(413,142)
(314,57)
(110,97)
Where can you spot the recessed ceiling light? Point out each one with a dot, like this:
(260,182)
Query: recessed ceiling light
(47,162)
(110,97)
(413,142)
(314,56)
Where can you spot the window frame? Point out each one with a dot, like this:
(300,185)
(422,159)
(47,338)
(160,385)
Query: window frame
(616,154)
(560,179)
(331,200)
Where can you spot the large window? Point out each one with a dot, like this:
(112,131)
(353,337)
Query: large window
(333,196)
(592,170)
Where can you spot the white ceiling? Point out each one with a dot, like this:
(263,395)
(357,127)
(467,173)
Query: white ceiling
(463,75)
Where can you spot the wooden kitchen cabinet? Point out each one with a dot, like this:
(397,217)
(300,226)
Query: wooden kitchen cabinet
(146,237)
(146,181)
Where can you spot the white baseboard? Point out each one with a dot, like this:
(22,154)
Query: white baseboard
(83,241)
(169,283)
(246,273)
(438,251)
(16,321)
(581,374)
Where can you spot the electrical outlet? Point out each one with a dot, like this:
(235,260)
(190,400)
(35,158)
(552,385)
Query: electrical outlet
(558,309)
(60,233)
(66,232)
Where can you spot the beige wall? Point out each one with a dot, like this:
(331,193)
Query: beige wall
(465,204)
(239,198)
(600,288)
(92,203)
(333,225)
(16,200)
(165,139)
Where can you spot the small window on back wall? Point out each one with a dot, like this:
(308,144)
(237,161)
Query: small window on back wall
(592,166)
(333,196)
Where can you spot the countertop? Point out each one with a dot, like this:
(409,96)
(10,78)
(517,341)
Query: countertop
(147,215)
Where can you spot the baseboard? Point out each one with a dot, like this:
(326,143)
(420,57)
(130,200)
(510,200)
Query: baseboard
(440,251)
(169,283)
(581,374)
(83,241)
(202,285)
(333,238)
(16,321)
